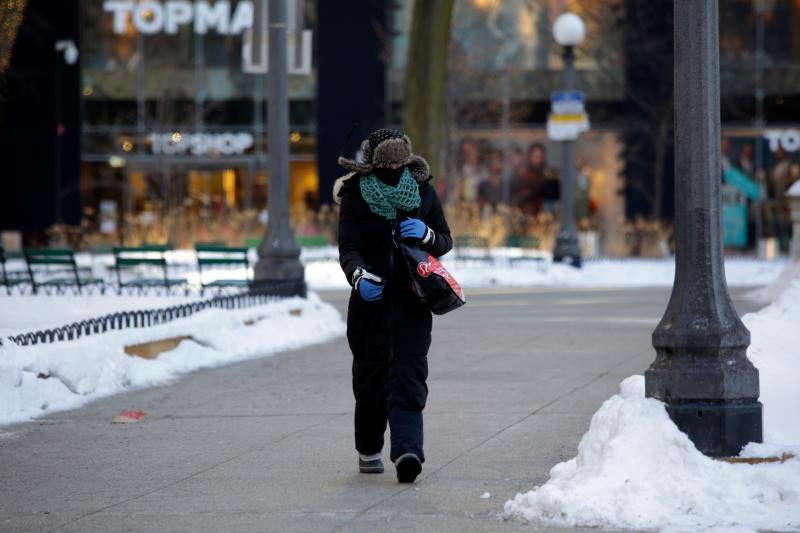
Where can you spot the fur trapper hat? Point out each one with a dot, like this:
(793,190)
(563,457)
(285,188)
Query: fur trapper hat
(384,147)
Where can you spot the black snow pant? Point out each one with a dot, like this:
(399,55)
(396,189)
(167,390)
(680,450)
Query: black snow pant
(389,340)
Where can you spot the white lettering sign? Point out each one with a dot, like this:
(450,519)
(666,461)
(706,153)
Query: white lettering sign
(148,17)
(200,143)
(789,140)
(178,14)
(295,63)
(212,17)
(156,16)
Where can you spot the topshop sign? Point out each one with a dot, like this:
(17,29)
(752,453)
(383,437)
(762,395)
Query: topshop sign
(151,16)
(200,143)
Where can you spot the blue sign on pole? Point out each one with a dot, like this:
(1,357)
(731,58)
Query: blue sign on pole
(566,103)
(567,117)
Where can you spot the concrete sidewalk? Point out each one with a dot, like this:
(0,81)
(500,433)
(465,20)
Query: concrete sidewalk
(267,445)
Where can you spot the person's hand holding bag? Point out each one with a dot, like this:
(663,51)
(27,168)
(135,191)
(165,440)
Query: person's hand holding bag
(369,286)
(412,229)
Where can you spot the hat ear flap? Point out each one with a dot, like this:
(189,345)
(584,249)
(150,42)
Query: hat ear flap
(407,139)
(366,151)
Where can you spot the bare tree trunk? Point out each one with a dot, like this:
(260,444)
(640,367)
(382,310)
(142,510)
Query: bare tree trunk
(424,111)
(11,13)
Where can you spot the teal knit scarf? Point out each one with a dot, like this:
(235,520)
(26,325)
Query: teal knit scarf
(385,200)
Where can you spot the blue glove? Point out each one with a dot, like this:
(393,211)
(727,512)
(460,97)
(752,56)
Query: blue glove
(369,291)
(369,286)
(414,228)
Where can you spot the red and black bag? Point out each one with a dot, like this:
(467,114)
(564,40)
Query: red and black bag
(430,281)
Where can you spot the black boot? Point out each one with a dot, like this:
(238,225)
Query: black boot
(370,465)
(408,467)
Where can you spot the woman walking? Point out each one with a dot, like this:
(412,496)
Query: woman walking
(388,194)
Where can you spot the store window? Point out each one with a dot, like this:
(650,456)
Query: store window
(513,38)
(501,173)
(737,27)
(174,134)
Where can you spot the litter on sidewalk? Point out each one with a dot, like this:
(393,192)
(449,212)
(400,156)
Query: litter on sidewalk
(128,417)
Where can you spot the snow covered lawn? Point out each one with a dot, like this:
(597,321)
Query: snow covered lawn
(32,312)
(616,273)
(29,312)
(38,380)
(500,269)
(635,470)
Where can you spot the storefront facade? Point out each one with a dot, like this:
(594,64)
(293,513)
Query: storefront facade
(174,132)
(172,126)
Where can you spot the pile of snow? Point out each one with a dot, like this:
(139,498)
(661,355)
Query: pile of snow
(38,380)
(775,350)
(611,273)
(636,470)
(772,291)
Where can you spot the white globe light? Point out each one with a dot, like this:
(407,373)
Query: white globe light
(569,30)
(71,55)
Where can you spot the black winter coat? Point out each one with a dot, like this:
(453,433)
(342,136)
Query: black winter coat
(365,239)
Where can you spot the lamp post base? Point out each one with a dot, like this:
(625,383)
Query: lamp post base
(719,429)
(280,272)
(281,287)
(567,250)
(711,393)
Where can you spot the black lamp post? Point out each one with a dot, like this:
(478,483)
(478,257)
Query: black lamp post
(279,263)
(701,370)
(568,31)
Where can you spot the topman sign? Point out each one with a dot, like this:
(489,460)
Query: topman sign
(788,139)
(152,16)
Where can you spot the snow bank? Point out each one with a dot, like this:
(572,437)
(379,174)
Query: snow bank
(775,350)
(622,273)
(635,470)
(773,291)
(97,366)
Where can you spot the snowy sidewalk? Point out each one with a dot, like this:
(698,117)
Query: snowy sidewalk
(266,445)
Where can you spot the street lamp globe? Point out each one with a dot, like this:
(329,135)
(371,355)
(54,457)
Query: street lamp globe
(569,29)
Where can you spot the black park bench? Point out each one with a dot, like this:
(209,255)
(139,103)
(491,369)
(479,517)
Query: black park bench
(56,269)
(530,247)
(213,255)
(316,248)
(144,267)
(472,248)
(10,280)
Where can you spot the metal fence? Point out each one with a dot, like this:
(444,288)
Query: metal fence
(142,318)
